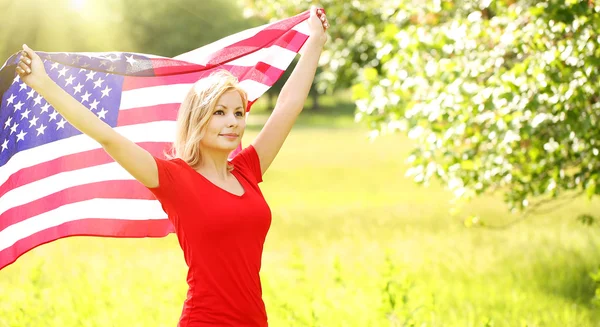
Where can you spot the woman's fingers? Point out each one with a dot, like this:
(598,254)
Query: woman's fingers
(323,17)
(26,60)
(28,52)
(24,67)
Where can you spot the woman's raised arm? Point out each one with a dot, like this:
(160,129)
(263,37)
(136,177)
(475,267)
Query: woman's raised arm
(136,160)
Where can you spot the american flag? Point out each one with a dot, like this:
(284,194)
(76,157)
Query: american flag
(56,182)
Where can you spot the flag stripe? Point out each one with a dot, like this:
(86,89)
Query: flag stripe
(57,182)
(167,94)
(124,189)
(274,56)
(70,162)
(87,227)
(161,112)
(203,55)
(126,209)
(262,72)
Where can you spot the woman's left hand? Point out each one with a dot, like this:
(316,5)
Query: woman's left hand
(318,24)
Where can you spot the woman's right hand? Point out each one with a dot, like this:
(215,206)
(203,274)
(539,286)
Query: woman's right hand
(31,68)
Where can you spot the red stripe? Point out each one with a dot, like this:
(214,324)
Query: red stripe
(87,227)
(69,163)
(291,40)
(114,189)
(142,115)
(263,39)
(262,73)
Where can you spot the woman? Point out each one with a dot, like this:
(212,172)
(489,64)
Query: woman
(219,213)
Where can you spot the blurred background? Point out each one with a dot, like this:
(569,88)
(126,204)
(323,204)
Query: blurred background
(443,173)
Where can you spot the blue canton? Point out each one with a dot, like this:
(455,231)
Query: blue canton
(28,121)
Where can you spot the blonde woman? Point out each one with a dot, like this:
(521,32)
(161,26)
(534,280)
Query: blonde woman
(218,211)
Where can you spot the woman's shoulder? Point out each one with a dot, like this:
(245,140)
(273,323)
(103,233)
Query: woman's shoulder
(247,163)
(171,164)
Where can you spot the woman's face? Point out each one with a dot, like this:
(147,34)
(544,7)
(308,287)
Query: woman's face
(226,126)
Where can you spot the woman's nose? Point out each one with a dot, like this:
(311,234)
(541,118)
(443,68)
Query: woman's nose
(231,120)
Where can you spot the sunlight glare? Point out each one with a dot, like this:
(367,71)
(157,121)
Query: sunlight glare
(78,4)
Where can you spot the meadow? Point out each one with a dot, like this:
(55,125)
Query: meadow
(353,243)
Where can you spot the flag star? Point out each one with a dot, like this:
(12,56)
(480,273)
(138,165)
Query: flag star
(104,62)
(16,80)
(4,145)
(90,76)
(102,113)
(62,72)
(8,121)
(33,121)
(98,83)
(21,136)
(45,107)
(30,94)
(106,91)
(22,86)
(94,105)
(11,99)
(19,105)
(41,130)
(25,114)
(130,60)
(13,128)
(54,66)
(85,97)
(70,80)
(61,124)
(38,99)
(76,60)
(53,115)
(78,88)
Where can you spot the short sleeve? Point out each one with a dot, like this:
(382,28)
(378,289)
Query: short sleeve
(248,160)
(166,180)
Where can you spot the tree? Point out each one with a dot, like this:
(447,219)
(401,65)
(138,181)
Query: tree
(498,95)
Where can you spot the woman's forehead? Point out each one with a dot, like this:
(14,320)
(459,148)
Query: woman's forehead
(230,99)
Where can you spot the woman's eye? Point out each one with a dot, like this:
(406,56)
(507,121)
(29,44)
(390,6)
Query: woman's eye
(240,114)
(219,112)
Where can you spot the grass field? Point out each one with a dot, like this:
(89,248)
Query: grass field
(353,243)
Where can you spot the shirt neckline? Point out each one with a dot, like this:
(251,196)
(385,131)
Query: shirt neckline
(233,172)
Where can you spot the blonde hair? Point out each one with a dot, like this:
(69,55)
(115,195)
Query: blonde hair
(195,112)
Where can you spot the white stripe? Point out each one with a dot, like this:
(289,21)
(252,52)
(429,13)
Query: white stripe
(253,88)
(175,93)
(154,95)
(97,208)
(55,183)
(302,28)
(161,131)
(275,56)
(202,55)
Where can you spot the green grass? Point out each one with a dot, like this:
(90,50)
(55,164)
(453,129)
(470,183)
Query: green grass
(353,243)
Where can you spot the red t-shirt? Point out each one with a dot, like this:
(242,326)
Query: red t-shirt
(222,237)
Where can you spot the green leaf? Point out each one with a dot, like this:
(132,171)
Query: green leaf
(370,74)
(590,190)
